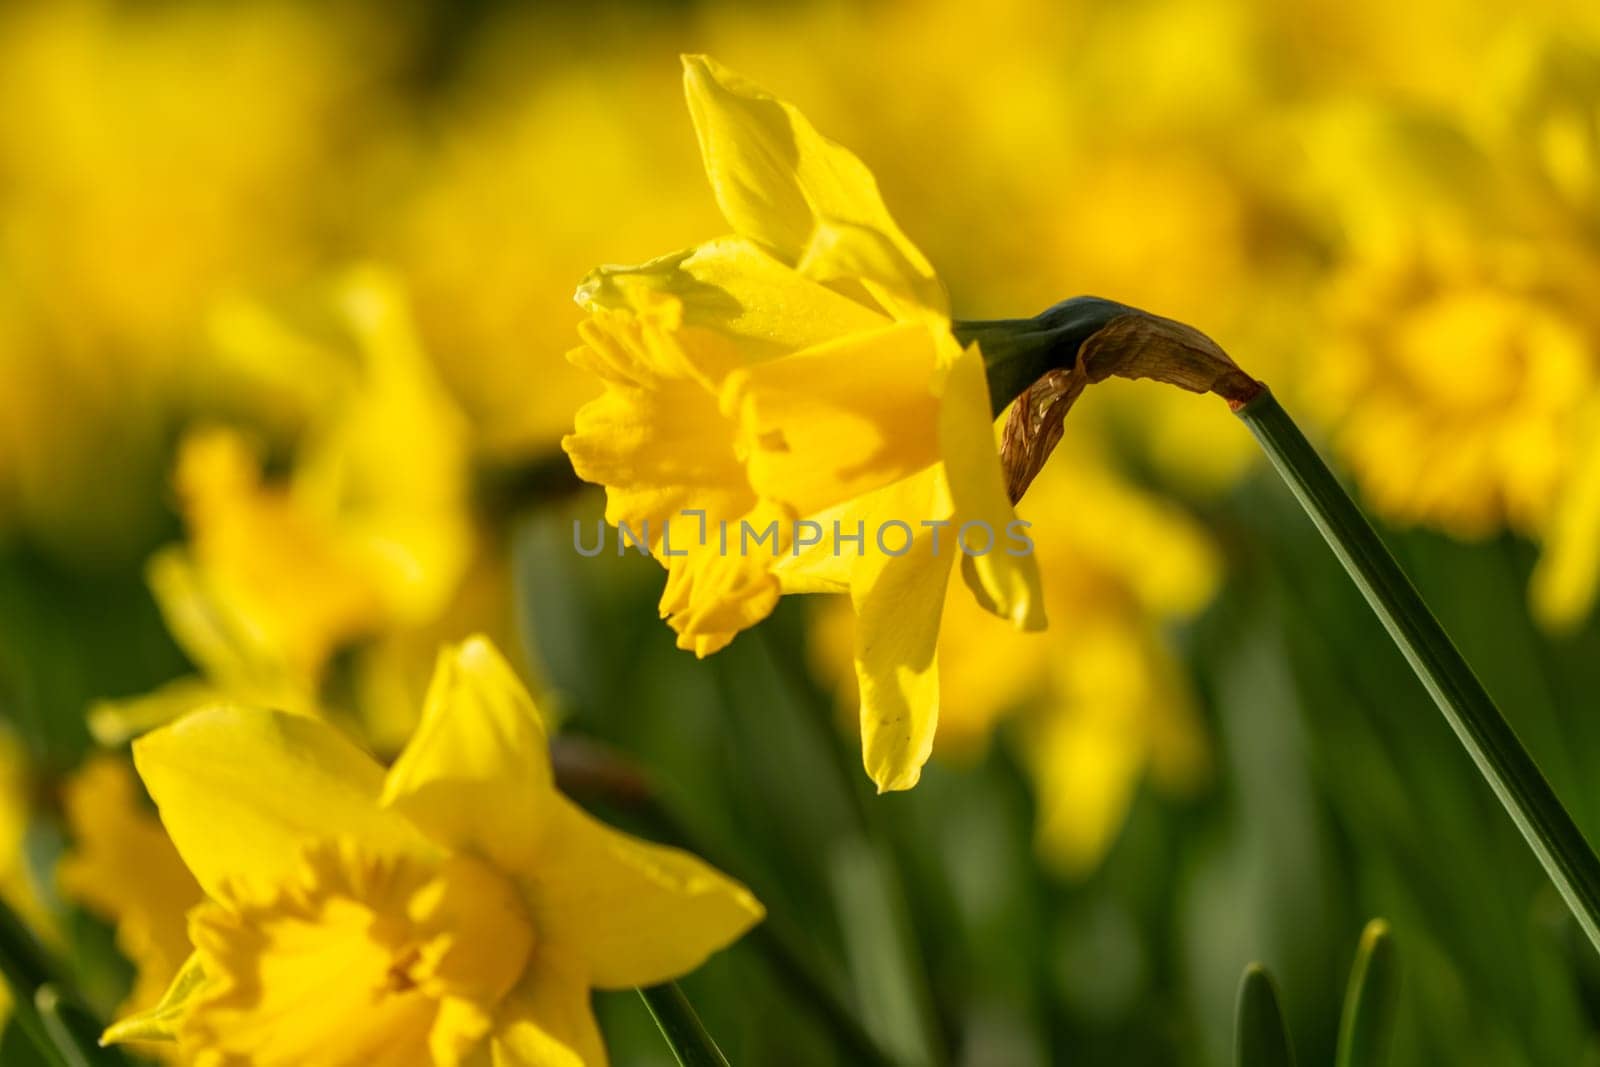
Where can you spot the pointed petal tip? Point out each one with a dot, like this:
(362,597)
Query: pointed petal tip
(895,781)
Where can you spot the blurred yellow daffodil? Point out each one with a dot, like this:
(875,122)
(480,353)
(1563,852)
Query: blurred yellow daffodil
(367,533)
(801,371)
(456,907)
(123,868)
(1458,387)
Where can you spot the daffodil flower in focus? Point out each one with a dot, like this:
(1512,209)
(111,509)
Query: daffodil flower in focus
(801,369)
(454,907)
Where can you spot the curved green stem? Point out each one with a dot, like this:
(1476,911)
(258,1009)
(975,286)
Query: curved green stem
(685,1034)
(1491,742)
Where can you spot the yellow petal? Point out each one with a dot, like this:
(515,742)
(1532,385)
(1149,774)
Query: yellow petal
(1005,582)
(840,419)
(783,185)
(844,254)
(731,286)
(240,790)
(1088,765)
(898,602)
(662,448)
(160,1022)
(224,642)
(547,1020)
(1562,590)
(476,776)
(636,913)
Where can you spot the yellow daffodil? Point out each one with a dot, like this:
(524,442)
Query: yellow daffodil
(454,909)
(800,370)
(123,868)
(367,534)
(1457,385)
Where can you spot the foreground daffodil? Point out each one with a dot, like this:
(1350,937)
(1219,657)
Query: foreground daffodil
(457,906)
(799,379)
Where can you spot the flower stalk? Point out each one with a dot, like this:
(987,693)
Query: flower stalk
(1483,731)
(1086,339)
(691,1044)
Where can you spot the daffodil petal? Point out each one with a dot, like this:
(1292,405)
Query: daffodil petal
(1004,581)
(667,456)
(899,601)
(636,913)
(1562,590)
(785,186)
(476,776)
(241,789)
(840,419)
(1088,765)
(547,1020)
(732,286)
(842,252)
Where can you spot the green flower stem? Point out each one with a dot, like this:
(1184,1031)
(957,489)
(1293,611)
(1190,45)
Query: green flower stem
(1491,742)
(685,1034)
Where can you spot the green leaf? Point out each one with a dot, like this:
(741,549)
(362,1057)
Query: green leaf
(1260,1037)
(685,1034)
(1369,1003)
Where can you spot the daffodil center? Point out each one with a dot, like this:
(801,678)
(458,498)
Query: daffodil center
(359,960)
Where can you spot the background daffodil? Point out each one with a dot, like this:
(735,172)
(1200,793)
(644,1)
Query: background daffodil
(802,368)
(122,867)
(366,537)
(457,901)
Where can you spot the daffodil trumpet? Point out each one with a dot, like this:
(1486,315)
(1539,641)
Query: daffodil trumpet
(1040,366)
